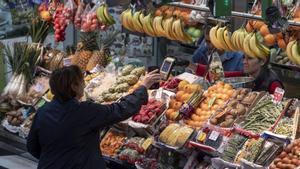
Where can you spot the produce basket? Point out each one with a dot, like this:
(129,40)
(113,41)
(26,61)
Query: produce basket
(249,165)
(240,82)
(264,114)
(112,138)
(150,126)
(220,163)
(235,109)
(173,133)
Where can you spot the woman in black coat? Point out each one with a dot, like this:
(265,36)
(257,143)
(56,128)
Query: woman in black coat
(65,132)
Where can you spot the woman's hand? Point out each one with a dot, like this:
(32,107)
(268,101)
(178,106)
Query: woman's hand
(151,78)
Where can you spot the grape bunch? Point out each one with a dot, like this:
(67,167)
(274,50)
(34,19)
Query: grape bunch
(60,24)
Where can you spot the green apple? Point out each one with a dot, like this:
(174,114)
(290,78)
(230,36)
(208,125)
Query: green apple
(197,33)
(191,30)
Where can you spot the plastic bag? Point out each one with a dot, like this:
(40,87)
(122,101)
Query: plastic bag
(197,16)
(69,11)
(90,21)
(77,19)
(60,24)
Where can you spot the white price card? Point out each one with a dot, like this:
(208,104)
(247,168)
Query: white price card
(39,88)
(214,135)
(278,95)
(159,93)
(67,61)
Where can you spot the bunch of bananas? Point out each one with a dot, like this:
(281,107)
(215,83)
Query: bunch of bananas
(240,40)
(220,37)
(293,51)
(155,26)
(104,16)
(254,48)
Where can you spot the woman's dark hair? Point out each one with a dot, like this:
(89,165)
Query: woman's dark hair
(62,81)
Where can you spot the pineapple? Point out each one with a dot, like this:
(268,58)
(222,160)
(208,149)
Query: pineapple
(84,49)
(102,56)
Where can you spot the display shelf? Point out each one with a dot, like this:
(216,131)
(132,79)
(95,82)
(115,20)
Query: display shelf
(10,137)
(204,148)
(233,13)
(114,162)
(288,67)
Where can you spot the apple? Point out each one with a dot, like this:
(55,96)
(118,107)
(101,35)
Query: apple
(191,30)
(197,33)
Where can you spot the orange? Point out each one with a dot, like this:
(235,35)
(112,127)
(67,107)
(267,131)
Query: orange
(182,84)
(204,107)
(195,117)
(177,105)
(158,12)
(186,88)
(227,86)
(172,102)
(169,113)
(249,28)
(269,40)
(279,35)
(264,30)
(185,97)
(258,24)
(46,16)
(281,43)
(195,87)
(199,111)
(179,95)
(230,93)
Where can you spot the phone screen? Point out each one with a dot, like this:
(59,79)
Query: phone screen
(166,66)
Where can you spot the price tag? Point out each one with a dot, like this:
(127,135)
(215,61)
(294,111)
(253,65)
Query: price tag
(214,135)
(278,95)
(40,103)
(39,88)
(159,93)
(67,61)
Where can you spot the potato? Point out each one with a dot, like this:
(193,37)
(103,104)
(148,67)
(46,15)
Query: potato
(244,91)
(283,154)
(12,113)
(14,121)
(240,97)
(288,149)
(280,165)
(276,160)
(9,118)
(241,110)
(229,117)
(232,103)
(214,121)
(21,118)
(286,160)
(252,97)
(272,166)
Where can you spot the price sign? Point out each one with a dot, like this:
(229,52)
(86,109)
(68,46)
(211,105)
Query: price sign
(67,61)
(39,88)
(278,95)
(214,135)
(159,93)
